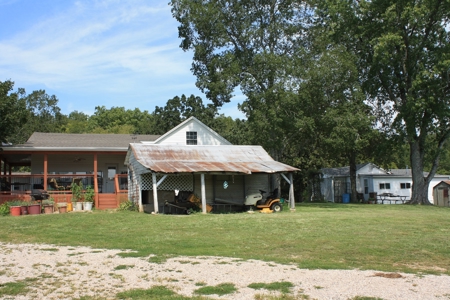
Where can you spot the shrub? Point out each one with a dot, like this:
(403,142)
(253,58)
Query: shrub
(4,209)
(128,205)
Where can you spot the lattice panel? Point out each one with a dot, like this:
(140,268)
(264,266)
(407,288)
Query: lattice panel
(172,182)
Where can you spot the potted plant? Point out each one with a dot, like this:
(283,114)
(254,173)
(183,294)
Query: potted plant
(34,208)
(15,207)
(77,195)
(24,207)
(48,205)
(62,207)
(89,198)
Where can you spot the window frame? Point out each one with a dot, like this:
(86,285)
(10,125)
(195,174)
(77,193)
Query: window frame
(191,138)
(384,185)
(405,185)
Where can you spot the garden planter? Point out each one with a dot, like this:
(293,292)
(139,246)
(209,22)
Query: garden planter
(24,210)
(34,209)
(79,206)
(15,210)
(62,209)
(87,205)
(48,209)
(69,206)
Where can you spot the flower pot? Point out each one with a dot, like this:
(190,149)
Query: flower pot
(48,209)
(69,206)
(79,206)
(15,210)
(87,205)
(24,209)
(62,209)
(34,209)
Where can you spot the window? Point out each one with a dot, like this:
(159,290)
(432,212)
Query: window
(385,186)
(366,186)
(405,185)
(191,137)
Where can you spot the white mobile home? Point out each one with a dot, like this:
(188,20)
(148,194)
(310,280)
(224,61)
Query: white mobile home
(371,179)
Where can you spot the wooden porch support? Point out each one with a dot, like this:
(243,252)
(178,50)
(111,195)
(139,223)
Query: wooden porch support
(96,179)
(45,170)
(202,176)
(291,189)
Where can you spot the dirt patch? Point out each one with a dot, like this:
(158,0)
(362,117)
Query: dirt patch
(388,275)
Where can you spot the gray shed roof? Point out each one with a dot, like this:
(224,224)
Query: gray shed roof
(194,159)
(75,141)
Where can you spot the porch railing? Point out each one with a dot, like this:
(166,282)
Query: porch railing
(14,187)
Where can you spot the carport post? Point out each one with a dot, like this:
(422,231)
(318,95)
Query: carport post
(291,192)
(155,193)
(202,176)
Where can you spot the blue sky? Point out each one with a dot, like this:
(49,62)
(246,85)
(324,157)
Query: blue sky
(97,53)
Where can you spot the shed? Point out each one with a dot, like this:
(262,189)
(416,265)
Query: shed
(216,172)
(440,193)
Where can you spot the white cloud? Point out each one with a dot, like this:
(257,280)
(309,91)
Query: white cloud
(101,52)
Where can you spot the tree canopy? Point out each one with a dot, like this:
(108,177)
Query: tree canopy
(403,57)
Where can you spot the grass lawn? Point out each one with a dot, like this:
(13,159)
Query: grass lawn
(405,238)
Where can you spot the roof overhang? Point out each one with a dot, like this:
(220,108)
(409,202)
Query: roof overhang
(205,159)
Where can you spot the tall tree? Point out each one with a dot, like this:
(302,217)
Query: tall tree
(403,50)
(13,111)
(248,44)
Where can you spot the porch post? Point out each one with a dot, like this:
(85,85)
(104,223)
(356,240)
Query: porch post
(95,180)
(202,176)
(45,170)
(155,193)
(291,192)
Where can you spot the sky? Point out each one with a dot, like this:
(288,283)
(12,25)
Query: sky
(92,53)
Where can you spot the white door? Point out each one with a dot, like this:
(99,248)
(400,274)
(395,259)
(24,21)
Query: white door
(111,170)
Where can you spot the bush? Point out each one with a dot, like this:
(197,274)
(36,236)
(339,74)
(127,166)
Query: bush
(4,209)
(128,205)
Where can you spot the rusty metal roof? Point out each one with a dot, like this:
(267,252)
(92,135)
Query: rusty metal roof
(193,159)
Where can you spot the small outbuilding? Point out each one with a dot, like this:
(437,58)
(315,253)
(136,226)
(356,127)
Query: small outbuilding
(202,163)
(440,192)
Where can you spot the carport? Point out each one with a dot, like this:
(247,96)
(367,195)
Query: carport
(152,166)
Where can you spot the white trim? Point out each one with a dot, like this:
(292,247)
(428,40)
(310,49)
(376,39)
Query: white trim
(194,119)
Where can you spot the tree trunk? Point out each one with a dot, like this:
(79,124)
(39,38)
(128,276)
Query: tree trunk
(354,195)
(420,183)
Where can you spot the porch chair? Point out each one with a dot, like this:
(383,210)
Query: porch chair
(53,184)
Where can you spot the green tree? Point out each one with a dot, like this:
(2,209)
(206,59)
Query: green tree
(77,122)
(403,50)
(119,120)
(250,45)
(24,114)
(179,109)
(13,112)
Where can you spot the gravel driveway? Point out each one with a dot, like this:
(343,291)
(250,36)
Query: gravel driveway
(54,272)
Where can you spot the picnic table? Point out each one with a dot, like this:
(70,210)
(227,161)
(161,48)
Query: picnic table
(391,197)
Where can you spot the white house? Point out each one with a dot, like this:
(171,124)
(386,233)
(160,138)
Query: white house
(371,179)
(193,158)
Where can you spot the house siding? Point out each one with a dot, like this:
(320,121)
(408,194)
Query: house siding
(204,136)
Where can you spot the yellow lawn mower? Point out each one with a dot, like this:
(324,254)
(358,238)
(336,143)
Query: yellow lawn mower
(270,204)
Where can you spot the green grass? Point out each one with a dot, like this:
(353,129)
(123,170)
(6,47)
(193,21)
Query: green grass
(220,289)
(283,286)
(156,292)
(16,288)
(391,238)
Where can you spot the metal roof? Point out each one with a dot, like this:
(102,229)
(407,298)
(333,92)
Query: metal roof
(193,159)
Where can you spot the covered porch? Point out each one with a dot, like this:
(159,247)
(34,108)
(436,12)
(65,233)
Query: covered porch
(55,172)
